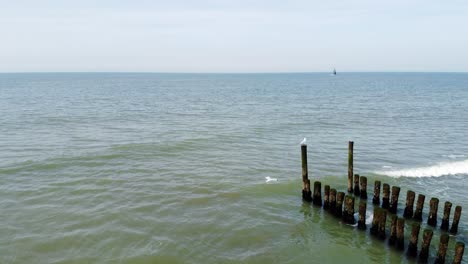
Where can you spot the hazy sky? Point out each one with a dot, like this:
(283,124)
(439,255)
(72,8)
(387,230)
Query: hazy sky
(233,35)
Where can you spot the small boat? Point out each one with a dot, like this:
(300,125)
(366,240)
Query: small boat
(334,71)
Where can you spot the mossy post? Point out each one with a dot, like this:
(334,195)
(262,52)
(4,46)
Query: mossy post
(386,196)
(393,230)
(426,242)
(443,245)
(446,217)
(348,213)
(326,197)
(357,191)
(339,204)
(350,166)
(363,181)
(374,230)
(306,193)
(332,201)
(362,215)
(433,207)
(382,222)
(419,207)
(459,250)
(400,233)
(456,220)
(394,200)
(413,241)
(376,199)
(410,195)
(317,199)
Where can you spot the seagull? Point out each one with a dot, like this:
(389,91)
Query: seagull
(303,142)
(269,179)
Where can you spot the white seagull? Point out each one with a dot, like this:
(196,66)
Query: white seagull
(269,179)
(303,142)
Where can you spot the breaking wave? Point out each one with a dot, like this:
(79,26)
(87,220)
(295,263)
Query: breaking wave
(440,169)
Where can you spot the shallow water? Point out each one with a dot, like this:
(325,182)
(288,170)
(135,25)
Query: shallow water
(170,168)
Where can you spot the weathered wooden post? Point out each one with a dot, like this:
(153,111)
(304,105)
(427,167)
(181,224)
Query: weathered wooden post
(374,230)
(394,200)
(306,193)
(413,243)
(419,207)
(424,254)
(409,204)
(362,215)
(393,231)
(363,180)
(348,213)
(459,250)
(357,192)
(376,199)
(400,233)
(433,206)
(382,222)
(350,166)
(444,238)
(339,204)
(333,201)
(456,220)
(446,217)
(326,197)
(386,196)
(317,199)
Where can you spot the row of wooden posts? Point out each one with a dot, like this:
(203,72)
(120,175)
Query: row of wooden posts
(333,201)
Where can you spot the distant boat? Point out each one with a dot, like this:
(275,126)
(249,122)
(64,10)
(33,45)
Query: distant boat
(334,71)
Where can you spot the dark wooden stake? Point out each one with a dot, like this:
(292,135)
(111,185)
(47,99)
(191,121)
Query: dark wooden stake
(410,195)
(459,250)
(382,222)
(306,193)
(413,242)
(357,192)
(419,207)
(362,215)
(400,233)
(332,201)
(444,238)
(374,230)
(386,196)
(363,181)
(348,213)
(339,204)
(393,231)
(317,199)
(433,206)
(424,254)
(326,197)
(446,217)
(456,220)
(350,166)
(394,200)
(376,199)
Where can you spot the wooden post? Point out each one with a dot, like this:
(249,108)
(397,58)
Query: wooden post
(459,250)
(306,193)
(413,243)
(332,201)
(362,215)
(446,217)
(376,199)
(456,220)
(382,222)
(339,204)
(409,204)
(424,254)
(444,238)
(400,233)
(348,213)
(419,207)
(394,200)
(393,231)
(363,180)
(386,196)
(374,230)
(350,166)
(357,192)
(433,206)
(317,199)
(326,197)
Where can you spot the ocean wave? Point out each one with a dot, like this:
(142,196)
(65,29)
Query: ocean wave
(440,169)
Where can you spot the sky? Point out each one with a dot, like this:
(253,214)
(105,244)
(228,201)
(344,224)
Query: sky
(233,36)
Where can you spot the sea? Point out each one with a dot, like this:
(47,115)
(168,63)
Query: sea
(171,168)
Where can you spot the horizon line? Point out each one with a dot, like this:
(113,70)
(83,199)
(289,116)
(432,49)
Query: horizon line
(234,72)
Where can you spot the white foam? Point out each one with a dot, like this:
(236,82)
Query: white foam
(269,179)
(440,169)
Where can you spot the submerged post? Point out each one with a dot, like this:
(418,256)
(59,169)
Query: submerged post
(317,200)
(306,193)
(424,254)
(443,245)
(409,204)
(400,233)
(376,199)
(433,206)
(386,196)
(413,242)
(456,220)
(393,231)
(333,201)
(350,166)
(348,213)
(382,222)
(394,200)
(362,215)
(459,250)
(326,197)
(446,217)
(419,207)
(363,180)
(357,192)
(374,230)
(339,204)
